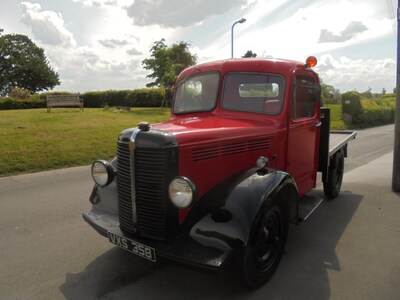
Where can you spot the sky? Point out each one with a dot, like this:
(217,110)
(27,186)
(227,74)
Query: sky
(100,44)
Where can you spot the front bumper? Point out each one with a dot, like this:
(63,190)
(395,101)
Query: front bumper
(183,249)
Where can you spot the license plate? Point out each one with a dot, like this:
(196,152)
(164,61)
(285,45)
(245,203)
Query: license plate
(133,246)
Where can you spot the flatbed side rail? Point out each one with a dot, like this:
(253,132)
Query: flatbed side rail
(339,139)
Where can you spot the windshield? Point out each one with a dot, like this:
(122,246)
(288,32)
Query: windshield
(197,93)
(259,93)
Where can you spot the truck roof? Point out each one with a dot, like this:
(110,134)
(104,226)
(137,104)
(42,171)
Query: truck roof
(281,66)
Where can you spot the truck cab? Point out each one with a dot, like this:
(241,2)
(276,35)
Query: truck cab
(223,178)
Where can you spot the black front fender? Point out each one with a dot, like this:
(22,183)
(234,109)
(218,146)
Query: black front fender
(225,216)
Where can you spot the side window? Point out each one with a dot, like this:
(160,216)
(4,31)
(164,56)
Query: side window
(306,94)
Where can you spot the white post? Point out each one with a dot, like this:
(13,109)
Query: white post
(396,150)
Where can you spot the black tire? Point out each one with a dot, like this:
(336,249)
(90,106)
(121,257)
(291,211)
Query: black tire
(335,176)
(261,256)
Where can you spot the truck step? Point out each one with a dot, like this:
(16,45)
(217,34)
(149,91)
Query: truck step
(307,205)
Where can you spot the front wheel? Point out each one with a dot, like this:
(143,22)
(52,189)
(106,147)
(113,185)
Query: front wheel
(264,250)
(335,175)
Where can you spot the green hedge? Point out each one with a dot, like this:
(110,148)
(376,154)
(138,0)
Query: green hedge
(131,98)
(377,111)
(43,95)
(11,103)
(367,112)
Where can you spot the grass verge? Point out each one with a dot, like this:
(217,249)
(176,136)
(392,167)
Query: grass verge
(337,122)
(34,140)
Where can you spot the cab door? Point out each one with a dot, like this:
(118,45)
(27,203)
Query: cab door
(303,132)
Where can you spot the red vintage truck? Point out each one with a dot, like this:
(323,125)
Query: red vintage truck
(219,183)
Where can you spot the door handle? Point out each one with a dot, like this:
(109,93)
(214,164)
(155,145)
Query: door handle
(318,124)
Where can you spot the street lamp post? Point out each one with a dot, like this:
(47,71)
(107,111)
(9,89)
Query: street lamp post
(242,20)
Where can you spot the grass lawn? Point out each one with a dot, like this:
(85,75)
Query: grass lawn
(34,140)
(337,122)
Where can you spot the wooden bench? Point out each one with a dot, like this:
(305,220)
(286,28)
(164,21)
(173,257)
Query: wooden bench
(63,101)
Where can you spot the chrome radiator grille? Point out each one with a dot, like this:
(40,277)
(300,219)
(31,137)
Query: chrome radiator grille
(150,192)
(156,218)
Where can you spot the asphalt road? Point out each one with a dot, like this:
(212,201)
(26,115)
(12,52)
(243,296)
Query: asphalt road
(369,145)
(48,252)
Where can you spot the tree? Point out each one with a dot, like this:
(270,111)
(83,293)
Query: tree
(167,62)
(367,93)
(249,53)
(328,92)
(24,65)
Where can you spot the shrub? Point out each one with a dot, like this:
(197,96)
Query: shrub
(368,112)
(19,93)
(376,112)
(43,95)
(131,98)
(149,97)
(351,107)
(12,103)
(152,97)
(391,96)
(94,99)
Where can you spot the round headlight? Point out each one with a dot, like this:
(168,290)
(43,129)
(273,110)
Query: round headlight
(182,192)
(103,173)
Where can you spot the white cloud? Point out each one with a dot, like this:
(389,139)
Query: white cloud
(133,51)
(360,74)
(297,36)
(47,26)
(110,57)
(99,3)
(175,13)
(112,43)
(350,32)
(117,26)
(82,69)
